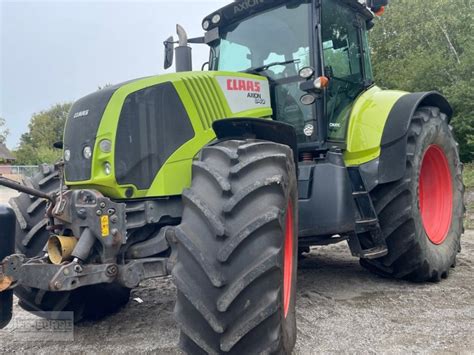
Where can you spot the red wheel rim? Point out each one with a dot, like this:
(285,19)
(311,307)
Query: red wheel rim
(436,194)
(288,260)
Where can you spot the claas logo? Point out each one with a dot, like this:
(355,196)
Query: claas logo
(243,85)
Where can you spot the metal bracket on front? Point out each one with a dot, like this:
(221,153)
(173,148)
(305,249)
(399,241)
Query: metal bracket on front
(135,271)
(38,274)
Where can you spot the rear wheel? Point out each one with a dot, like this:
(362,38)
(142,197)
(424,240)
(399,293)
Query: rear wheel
(87,303)
(422,214)
(237,251)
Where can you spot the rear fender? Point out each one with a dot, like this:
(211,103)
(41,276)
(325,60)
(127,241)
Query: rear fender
(366,125)
(392,163)
(377,134)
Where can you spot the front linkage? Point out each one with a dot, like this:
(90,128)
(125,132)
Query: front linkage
(101,225)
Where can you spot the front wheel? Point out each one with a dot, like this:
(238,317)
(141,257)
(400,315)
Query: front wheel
(421,215)
(237,251)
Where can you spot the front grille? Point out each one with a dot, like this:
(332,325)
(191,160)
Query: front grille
(153,124)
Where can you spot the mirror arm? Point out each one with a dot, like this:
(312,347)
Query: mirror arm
(197,40)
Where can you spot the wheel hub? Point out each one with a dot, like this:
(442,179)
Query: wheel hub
(436,194)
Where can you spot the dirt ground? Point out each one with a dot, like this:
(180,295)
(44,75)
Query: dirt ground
(341,309)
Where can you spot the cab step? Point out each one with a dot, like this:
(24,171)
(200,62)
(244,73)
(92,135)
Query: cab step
(367,242)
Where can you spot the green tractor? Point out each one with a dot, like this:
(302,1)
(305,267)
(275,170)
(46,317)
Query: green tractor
(223,178)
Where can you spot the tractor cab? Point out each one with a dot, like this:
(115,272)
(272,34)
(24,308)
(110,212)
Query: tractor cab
(301,47)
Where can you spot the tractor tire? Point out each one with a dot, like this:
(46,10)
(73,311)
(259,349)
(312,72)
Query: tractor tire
(422,214)
(87,303)
(237,251)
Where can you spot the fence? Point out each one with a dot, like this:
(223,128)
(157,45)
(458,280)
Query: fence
(19,170)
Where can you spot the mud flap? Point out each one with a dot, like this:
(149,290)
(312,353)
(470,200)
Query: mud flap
(7,247)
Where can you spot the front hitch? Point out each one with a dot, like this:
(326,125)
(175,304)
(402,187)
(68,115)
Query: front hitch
(7,247)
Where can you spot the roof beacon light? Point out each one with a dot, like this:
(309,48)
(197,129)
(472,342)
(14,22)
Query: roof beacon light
(380,12)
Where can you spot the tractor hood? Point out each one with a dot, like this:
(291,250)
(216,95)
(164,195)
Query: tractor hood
(119,139)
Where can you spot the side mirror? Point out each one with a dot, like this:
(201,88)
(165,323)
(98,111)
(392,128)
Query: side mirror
(169,52)
(370,25)
(377,4)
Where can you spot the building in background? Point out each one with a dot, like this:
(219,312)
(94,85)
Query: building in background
(6,160)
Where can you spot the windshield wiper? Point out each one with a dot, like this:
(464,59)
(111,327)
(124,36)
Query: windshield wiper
(268,66)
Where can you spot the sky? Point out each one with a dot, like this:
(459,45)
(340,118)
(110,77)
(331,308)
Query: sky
(59,51)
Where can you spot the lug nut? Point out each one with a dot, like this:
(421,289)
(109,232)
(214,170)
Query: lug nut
(58,285)
(111,211)
(98,212)
(102,205)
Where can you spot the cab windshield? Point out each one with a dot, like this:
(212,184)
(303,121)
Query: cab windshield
(278,35)
(281,34)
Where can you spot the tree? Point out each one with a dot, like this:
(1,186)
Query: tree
(45,129)
(4,131)
(423,46)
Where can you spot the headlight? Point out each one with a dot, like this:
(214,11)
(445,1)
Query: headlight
(306,72)
(87,152)
(216,19)
(67,155)
(105,146)
(107,168)
(307,99)
(308,130)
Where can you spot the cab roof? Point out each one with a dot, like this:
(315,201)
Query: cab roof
(241,9)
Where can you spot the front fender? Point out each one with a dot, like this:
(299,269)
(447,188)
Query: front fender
(257,128)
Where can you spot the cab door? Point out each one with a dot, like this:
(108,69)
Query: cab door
(346,61)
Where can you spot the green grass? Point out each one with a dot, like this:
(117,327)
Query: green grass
(469,182)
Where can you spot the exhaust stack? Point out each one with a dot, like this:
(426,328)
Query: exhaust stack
(184,61)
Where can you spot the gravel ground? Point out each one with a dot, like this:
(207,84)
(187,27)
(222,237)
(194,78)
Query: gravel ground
(6,194)
(470,208)
(341,308)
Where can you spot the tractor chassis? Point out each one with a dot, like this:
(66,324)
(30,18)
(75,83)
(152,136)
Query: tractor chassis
(334,206)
